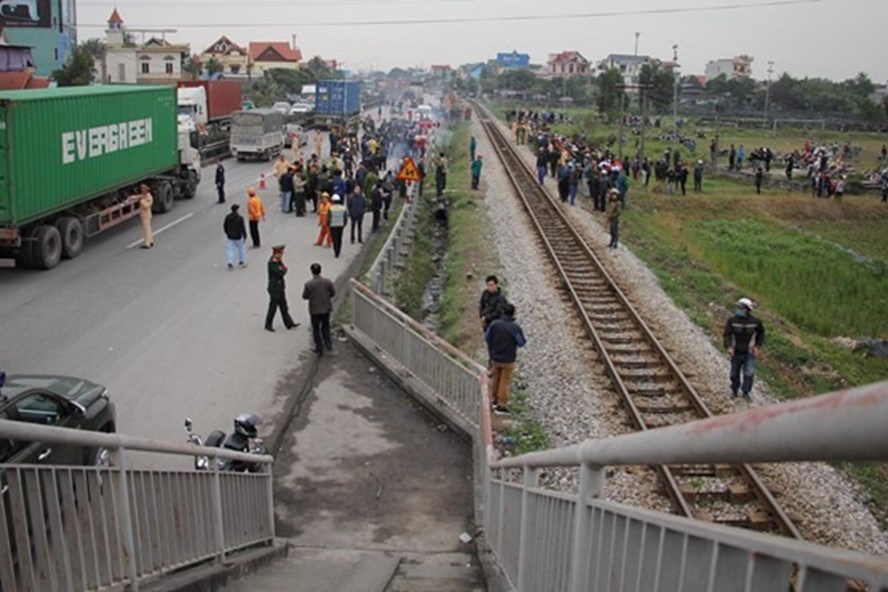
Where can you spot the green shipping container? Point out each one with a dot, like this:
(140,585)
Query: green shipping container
(63,146)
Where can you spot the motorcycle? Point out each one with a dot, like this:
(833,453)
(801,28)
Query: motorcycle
(244,438)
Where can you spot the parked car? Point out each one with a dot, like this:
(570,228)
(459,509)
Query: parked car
(302,108)
(292,129)
(62,401)
(282,106)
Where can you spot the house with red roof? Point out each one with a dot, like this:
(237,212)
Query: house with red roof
(568,63)
(266,55)
(230,55)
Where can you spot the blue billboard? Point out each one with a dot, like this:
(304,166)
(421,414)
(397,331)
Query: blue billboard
(513,60)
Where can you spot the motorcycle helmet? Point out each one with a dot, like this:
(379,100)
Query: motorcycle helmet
(247,424)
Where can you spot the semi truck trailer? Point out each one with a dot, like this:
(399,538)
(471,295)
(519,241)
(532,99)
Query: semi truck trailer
(71,158)
(208,103)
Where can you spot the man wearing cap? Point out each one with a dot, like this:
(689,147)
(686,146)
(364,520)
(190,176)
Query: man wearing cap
(277,290)
(236,231)
(744,336)
(337,218)
(255,213)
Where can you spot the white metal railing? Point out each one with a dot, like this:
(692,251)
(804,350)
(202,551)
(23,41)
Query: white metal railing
(92,528)
(583,543)
(455,378)
(380,272)
(550,541)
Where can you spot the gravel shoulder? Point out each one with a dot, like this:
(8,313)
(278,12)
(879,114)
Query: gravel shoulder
(572,397)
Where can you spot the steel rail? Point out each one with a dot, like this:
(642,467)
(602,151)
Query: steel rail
(525,183)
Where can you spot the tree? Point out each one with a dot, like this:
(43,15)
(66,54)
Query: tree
(288,80)
(517,80)
(659,84)
(317,69)
(192,67)
(78,69)
(214,66)
(610,91)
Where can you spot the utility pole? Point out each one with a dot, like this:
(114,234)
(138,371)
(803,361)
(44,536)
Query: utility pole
(637,35)
(768,92)
(675,90)
(622,119)
(644,117)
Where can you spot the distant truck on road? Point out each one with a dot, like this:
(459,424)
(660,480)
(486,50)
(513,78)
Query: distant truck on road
(337,102)
(208,103)
(257,133)
(71,158)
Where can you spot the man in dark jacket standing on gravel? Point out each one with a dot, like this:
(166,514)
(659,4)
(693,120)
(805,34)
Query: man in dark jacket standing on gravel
(744,336)
(504,336)
(492,302)
(319,292)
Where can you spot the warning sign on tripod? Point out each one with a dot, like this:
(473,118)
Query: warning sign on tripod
(408,171)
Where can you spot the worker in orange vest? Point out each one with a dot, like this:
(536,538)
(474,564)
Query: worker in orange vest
(255,213)
(324,221)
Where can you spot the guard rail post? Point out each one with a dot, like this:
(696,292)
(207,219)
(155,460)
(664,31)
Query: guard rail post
(531,480)
(591,485)
(118,458)
(218,515)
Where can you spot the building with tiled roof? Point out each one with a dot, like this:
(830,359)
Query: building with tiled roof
(568,63)
(266,55)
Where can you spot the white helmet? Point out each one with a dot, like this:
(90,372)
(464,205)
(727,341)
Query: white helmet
(746,303)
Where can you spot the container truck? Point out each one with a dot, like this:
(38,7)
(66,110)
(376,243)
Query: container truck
(208,102)
(337,102)
(257,133)
(71,158)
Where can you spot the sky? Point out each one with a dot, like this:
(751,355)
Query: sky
(833,39)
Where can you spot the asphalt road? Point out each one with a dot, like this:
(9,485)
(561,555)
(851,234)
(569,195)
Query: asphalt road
(170,331)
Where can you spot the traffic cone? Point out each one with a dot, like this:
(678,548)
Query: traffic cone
(262,184)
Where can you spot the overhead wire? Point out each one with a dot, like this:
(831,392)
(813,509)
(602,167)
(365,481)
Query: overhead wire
(485,19)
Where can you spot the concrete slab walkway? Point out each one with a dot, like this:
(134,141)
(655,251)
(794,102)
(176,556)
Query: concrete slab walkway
(372,491)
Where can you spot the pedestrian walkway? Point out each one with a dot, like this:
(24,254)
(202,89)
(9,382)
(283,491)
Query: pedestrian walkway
(372,491)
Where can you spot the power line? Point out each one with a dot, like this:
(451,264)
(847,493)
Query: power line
(491,19)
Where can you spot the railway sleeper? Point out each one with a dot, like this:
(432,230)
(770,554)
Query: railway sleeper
(620,320)
(716,471)
(734,494)
(648,409)
(640,388)
(637,348)
(666,419)
(618,338)
(658,374)
(622,362)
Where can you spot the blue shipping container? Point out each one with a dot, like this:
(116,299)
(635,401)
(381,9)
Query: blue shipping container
(338,97)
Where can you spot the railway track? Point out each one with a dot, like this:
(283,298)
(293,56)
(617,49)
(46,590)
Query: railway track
(652,387)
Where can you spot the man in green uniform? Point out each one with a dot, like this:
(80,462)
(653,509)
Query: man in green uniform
(277,290)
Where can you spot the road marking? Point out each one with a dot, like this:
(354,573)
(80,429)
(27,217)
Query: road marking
(160,230)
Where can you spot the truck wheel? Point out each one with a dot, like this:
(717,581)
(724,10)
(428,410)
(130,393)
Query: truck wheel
(24,257)
(47,247)
(71,231)
(163,198)
(190,186)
